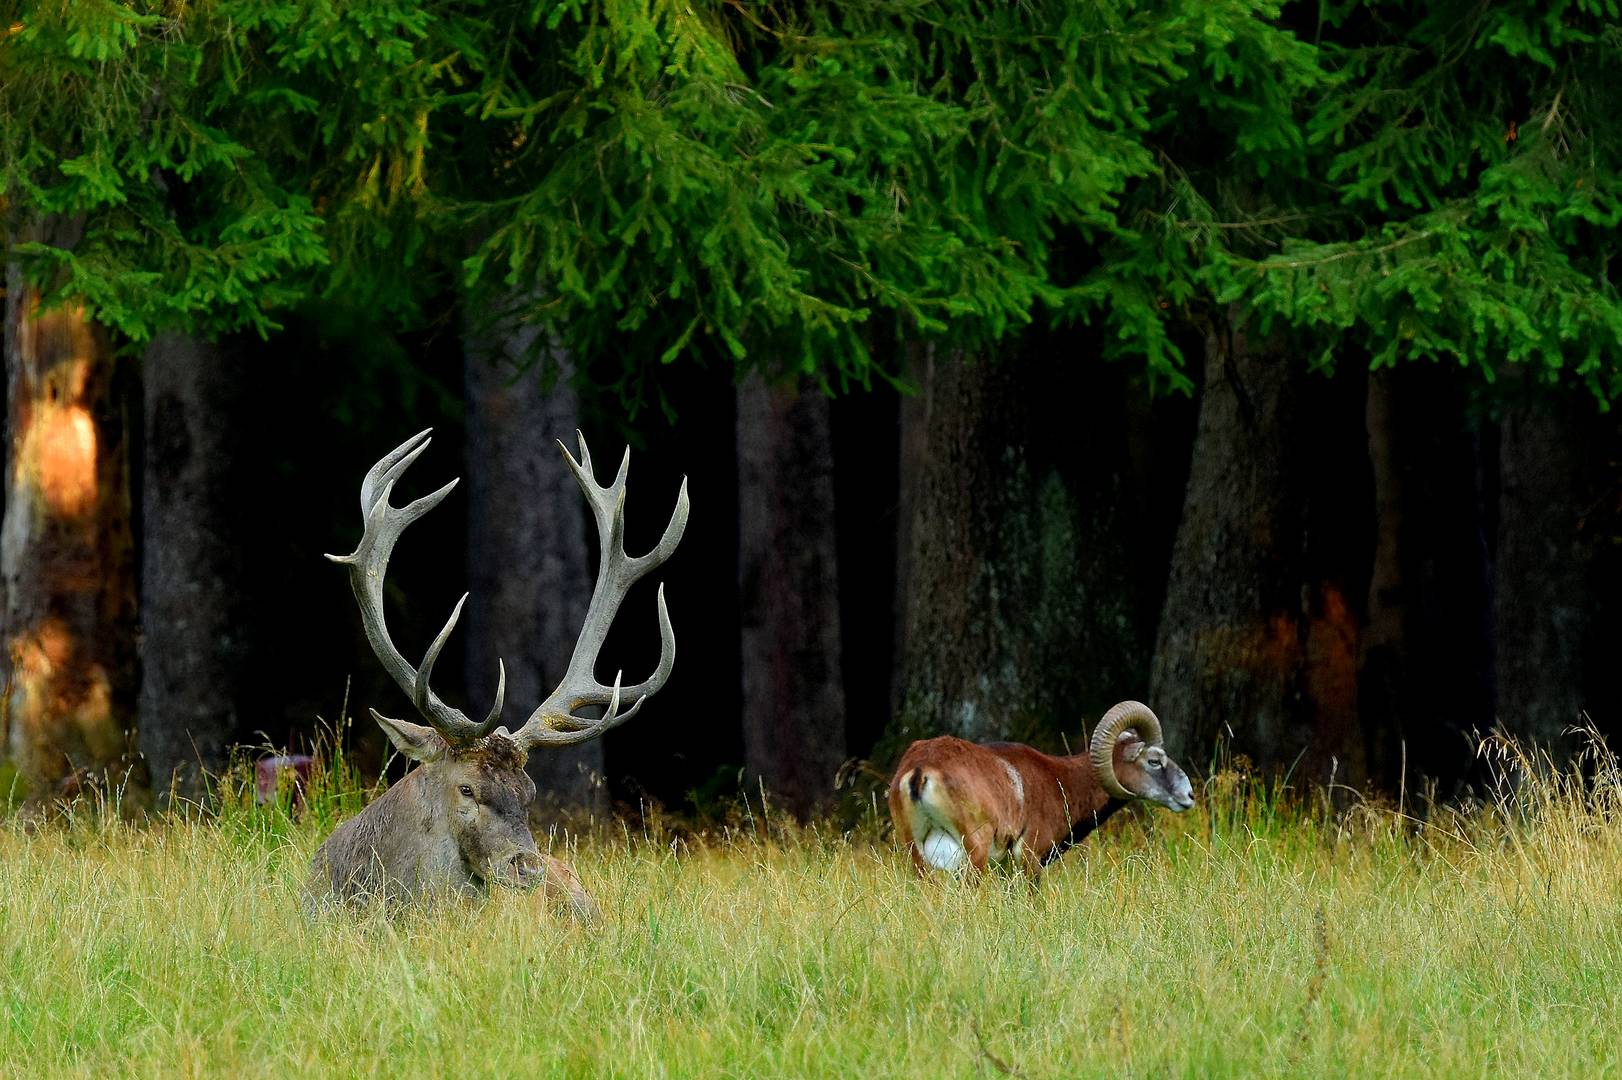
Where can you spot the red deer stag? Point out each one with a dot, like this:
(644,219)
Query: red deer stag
(959,804)
(459,821)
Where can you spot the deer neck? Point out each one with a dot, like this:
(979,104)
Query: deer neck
(412,839)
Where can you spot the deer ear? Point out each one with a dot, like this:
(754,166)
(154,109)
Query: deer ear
(415,741)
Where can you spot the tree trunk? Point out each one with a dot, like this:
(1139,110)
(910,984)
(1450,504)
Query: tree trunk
(1023,612)
(912,453)
(1258,638)
(867,460)
(194,623)
(1545,601)
(1425,677)
(66,550)
(529,574)
(788,584)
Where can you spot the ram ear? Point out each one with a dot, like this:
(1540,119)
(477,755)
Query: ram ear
(1134,749)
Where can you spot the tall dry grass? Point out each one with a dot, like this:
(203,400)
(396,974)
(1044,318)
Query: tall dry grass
(1267,933)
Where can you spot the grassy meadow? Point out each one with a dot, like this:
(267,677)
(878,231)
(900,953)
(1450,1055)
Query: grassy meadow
(1258,935)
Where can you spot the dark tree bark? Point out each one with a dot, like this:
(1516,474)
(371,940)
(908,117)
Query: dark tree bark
(1546,603)
(788,585)
(529,574)
(1258,638)
(912,449)
(1020,581)
(1425,677)
(195,626)
(66,549)
(866,431)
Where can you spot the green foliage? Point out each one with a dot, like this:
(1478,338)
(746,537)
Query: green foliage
(1229,162)
(795,187)
(1451,189)
(201,159)
(1495,181)
(800,186)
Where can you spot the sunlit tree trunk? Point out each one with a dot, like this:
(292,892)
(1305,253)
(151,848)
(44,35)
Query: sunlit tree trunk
(528,571)
(1021,583)
(788,582)
(1258,638)
(195,623)
(66,550)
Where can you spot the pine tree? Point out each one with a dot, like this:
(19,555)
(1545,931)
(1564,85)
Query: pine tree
(162,169)
(1440,183)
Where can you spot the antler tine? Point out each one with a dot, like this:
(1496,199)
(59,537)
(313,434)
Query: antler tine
(585,454)
(666,546)
(381,477)
(580,730)
(493,717)
(423,697)
(554,722)
(368,565)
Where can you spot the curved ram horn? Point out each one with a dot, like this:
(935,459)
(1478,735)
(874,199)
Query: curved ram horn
(1128,715)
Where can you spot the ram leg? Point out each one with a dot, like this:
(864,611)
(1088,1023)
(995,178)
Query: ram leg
(977,843)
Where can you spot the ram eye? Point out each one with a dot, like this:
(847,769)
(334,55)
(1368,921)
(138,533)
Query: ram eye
(1154,763)
(467,789)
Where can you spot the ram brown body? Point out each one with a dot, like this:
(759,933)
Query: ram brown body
(961,805)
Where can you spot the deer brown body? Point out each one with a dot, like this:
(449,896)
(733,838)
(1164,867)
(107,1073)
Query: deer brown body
(959,805)
(459,822)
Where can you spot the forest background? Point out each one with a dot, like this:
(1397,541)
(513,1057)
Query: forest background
(1253,360)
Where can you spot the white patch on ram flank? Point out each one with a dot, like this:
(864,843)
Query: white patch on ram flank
(943,851)
(938,842)
(1017,781)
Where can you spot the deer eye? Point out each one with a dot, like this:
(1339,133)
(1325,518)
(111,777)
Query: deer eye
(467,789)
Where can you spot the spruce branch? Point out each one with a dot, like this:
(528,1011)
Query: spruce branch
(1353,253)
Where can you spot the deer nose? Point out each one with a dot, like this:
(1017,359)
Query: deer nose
(525,864)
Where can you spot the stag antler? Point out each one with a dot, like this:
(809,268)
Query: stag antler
(554,723)
(368,564)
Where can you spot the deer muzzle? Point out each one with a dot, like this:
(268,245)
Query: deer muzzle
(528,870)
(519,866)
